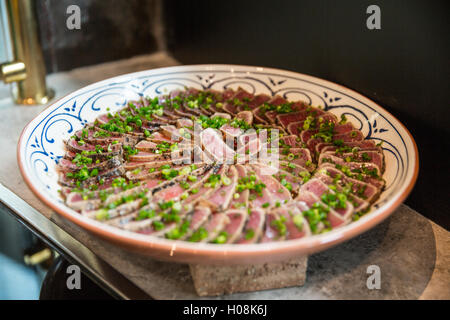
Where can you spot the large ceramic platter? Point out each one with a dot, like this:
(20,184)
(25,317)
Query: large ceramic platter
(42,144)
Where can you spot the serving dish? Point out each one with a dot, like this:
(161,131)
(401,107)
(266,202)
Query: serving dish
(41,146)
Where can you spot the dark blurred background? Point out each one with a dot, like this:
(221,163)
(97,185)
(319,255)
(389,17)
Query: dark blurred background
(404,66)
(111,30)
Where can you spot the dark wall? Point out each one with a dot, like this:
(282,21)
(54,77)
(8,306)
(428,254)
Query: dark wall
(110,30)
(404,66)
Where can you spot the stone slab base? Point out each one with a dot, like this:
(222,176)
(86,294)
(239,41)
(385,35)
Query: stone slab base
(213,280)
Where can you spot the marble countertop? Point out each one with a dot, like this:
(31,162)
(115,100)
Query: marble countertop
(412,252)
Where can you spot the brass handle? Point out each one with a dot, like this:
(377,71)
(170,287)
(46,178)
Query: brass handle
(30,88)
(12,72)
(38,257)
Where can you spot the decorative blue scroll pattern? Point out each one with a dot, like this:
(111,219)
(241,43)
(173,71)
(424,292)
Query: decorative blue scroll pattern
(44,145)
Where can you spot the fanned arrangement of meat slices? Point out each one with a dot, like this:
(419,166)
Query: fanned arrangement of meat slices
(221,167)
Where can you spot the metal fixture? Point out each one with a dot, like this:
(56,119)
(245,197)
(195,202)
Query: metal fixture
(38,257)
(27,70)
